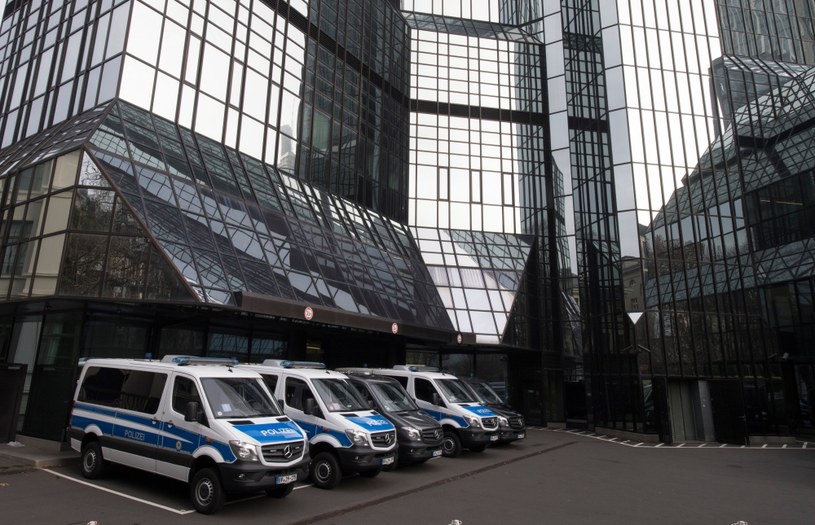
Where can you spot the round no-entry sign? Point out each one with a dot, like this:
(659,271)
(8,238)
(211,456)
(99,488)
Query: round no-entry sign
(308,313)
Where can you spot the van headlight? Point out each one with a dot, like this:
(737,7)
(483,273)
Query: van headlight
(473,421)
(503,422)
(413,433)
(357,437)
(244,451)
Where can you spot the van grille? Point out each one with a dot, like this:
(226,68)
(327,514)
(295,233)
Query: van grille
(516,423)
(383,439)
(489,423)
(432,436)
(282,452)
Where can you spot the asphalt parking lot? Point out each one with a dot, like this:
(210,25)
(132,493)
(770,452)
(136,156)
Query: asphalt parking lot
(551,477)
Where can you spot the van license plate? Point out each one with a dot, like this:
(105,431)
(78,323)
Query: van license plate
(436,453)
(494,437)
(521,435)
(285,480)
(387,461)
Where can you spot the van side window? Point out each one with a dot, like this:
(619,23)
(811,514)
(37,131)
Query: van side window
(297,391)
(128,389)
(141,391)
(184,391)
(102,386)
(424,389)
(271,382)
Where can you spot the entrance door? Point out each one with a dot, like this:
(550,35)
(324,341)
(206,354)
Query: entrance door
(729,422)
(683,411)
(12,379)
(54,377)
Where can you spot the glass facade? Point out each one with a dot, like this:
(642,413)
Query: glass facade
(605,205)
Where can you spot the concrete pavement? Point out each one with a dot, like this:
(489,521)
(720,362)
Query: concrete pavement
(27,453)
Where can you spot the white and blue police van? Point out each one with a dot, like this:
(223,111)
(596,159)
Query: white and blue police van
(215,426)
(346,436)
(466,422)
(419,435)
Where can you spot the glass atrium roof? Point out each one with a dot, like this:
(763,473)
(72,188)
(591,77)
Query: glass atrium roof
(232,227)
(755,177)
(466,27)
(477,275)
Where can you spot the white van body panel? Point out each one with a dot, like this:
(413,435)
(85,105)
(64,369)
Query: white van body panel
(144,430)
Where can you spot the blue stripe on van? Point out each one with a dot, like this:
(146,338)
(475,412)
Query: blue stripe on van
(373,423)
(271,432)
(311,432)
(82,422)
(481,411)
(438,416)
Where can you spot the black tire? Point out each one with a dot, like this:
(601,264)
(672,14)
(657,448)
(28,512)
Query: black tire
(478,448)
(370,473)
(280,491)
(93,464)
(451,445)
(325,471)
(206,492)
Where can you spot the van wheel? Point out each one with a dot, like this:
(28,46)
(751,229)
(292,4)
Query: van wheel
(280,491)
(325,471)
(206,492)
(451,446)
(93,464)
(370,473)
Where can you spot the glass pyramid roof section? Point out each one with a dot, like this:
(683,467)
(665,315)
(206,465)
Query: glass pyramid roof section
(770,143)
(477,275)
(230,225)
(467,27)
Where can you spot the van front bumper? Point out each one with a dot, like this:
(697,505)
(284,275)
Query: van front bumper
(250,476)
(510,435)
(477,438)
(412,452)
(360,459)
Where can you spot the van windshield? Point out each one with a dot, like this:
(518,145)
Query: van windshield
(454,391)
(339,395)
(234,397)
(486,393)
(393,397)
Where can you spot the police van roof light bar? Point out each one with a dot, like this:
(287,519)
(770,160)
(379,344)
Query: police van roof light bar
(285,363)
(417,368)
(184,360)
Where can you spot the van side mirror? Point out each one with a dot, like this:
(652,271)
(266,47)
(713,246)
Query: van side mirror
(191,413)
(310,406)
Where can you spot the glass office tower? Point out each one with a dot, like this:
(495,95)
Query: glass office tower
(669,108)
(603,205)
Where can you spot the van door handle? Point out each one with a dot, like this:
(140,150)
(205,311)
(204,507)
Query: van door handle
(155,421)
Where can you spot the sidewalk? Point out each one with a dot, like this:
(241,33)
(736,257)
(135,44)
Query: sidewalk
(29,453)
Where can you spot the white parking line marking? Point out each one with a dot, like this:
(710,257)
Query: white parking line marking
(629,443)
(181,512)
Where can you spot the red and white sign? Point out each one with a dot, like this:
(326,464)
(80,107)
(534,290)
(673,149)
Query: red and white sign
(395,328)
(308,313)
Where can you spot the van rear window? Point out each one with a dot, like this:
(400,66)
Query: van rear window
(121,388)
